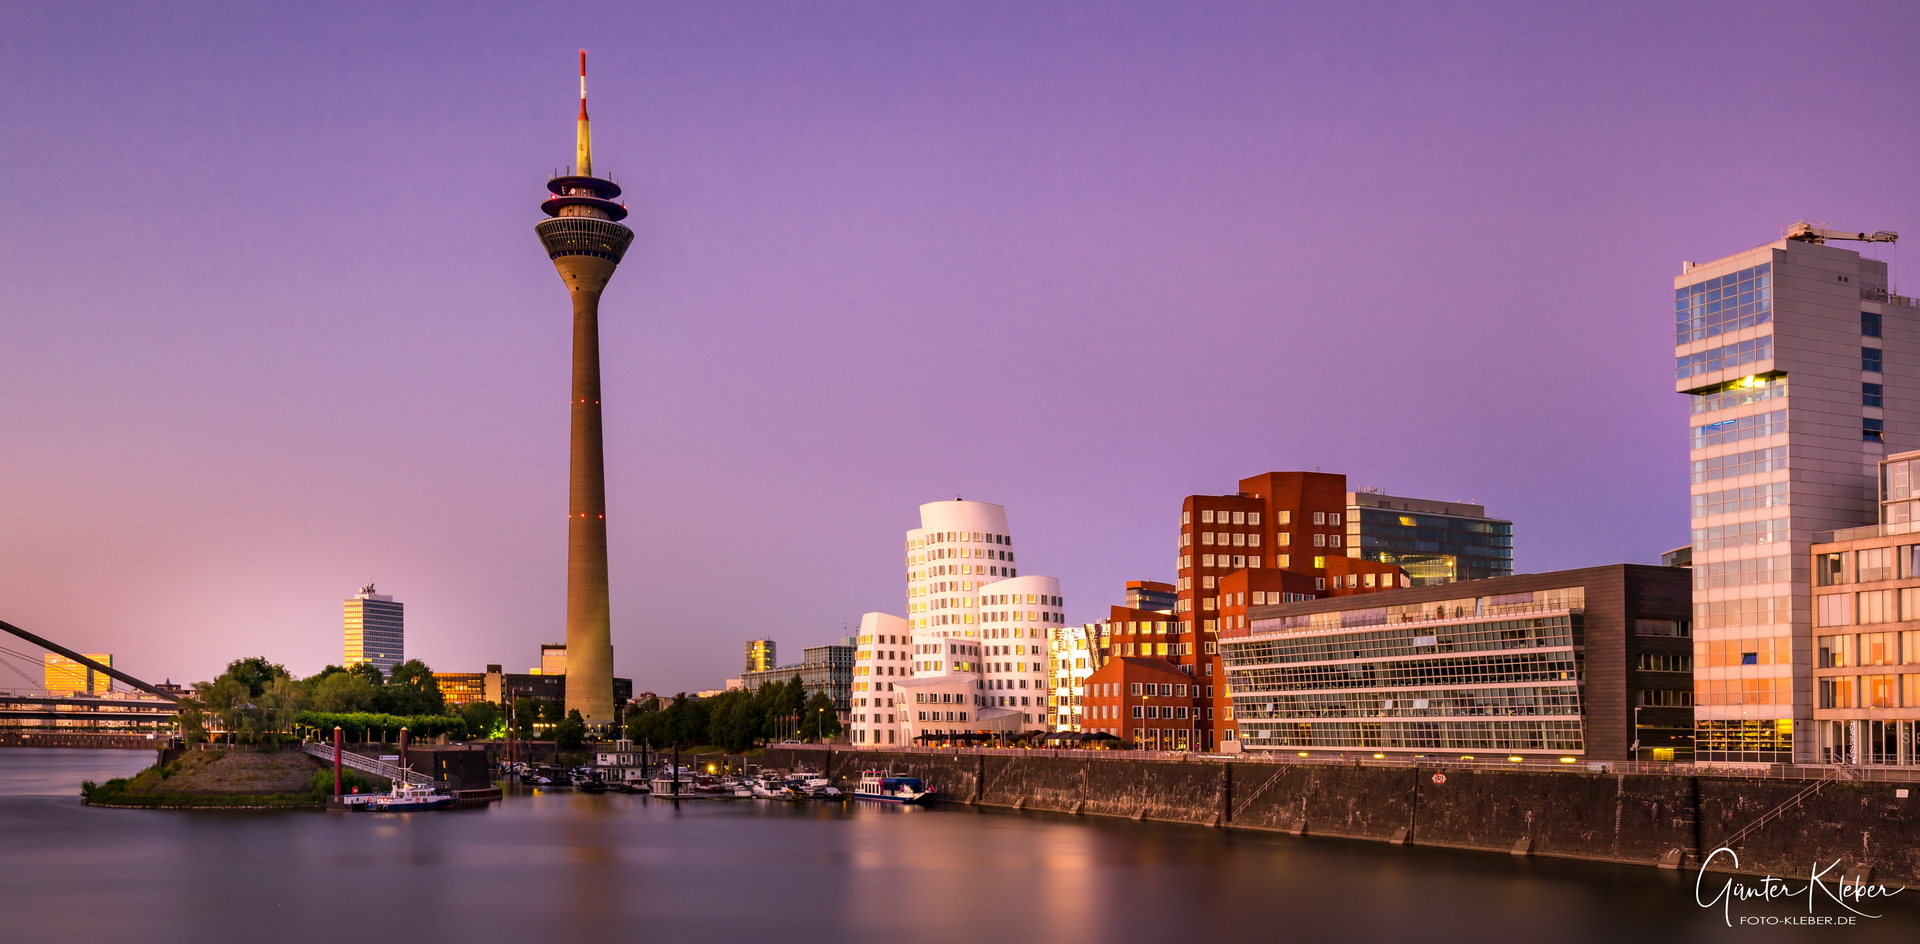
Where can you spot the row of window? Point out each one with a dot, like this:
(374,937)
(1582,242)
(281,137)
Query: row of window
(1514,668)
(1756,611)
(1731,302)
(949,553)
(1663,698)
(1478,736)
(1869,691)
(1664,662)
(1723,358)
(1532,700)
(1240,538)
(957,537)
(1735,465)
(1545,633)
(1839,652)
(1743,691)
(1741,534)
(1749,498)
(1866,607)
(1765,650)
(1742,573)
(1867,565)
(1740,429)
(1210,516)
(1758,389)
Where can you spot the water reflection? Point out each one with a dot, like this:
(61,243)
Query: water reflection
(569,867)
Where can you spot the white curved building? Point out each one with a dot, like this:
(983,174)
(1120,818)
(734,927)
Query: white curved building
(976,635)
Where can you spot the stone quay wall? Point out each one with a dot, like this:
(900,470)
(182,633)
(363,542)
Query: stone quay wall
(1669,820)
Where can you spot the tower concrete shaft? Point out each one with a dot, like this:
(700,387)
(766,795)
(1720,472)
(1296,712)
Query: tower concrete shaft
(586,241)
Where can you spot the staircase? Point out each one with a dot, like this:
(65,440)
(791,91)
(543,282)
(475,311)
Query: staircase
(368,765)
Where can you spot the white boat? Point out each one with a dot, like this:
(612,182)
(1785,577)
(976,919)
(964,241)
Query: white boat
(408,798)
(887,788)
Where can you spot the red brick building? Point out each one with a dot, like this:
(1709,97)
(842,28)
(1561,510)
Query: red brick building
(1146,702)
(1279,539)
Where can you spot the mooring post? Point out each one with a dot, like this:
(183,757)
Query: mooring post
(403,751)
(336,760)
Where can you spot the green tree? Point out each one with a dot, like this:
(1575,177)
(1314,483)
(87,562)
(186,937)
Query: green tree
(818,722)
(482,718)
(370,672)
(571,733)
(343,692)
(255,673)
(642,720)
(526,713)
(735,722)
(412,690)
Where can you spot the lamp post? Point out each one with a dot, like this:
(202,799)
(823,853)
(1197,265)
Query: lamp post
(1635,750)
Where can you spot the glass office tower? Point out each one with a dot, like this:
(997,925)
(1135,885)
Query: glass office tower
(1798,368)
(1434,542)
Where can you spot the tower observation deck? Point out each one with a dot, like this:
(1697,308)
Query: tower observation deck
(586,241)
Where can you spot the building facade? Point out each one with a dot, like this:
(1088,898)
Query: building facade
(1800,372)
(1073,654)
(553,658)
(460,689)
(63,676)
(376,631)
(1432,542)
(1146,703)
(1592,663)
(761,655)
(1866,625)
(1279,521)
(963,583)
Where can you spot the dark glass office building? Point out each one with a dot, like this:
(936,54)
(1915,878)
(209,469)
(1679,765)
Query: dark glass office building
(1434,542)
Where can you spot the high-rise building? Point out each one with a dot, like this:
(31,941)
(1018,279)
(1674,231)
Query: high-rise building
(1800,369)
(63,676)
(1434,542)
(584,238)
(553,658)
(760,655)
(375,630)
(1285,531)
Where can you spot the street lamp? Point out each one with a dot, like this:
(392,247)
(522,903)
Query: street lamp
(1635,750)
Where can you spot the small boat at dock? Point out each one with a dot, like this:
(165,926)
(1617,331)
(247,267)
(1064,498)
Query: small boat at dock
(884,786)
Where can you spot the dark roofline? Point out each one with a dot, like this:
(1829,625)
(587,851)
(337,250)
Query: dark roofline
(1490,586)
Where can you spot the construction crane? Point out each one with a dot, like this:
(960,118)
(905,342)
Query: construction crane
(1806,232)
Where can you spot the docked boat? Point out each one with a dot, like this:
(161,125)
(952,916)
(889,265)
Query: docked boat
(883,786)
(668,788)
(409,798)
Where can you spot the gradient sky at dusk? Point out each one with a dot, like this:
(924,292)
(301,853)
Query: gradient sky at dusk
(274,322)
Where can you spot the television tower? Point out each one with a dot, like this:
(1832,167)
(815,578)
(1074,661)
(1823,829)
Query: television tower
(584,238)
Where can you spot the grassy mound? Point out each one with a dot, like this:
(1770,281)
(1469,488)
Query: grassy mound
(203,780)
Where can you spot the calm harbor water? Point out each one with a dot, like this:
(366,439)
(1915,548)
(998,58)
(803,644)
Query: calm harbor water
(573,867)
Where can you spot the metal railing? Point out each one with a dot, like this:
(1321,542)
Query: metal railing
(366,764)
(1870,531)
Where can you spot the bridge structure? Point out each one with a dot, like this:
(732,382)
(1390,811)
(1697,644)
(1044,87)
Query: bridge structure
(368,765)
(148,707)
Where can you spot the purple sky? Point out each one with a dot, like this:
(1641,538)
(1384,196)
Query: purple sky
(274,322)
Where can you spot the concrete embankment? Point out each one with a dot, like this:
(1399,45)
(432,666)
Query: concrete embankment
(1632,818)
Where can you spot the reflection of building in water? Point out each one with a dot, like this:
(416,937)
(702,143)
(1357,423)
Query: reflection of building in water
(1434,542)
(63,676)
